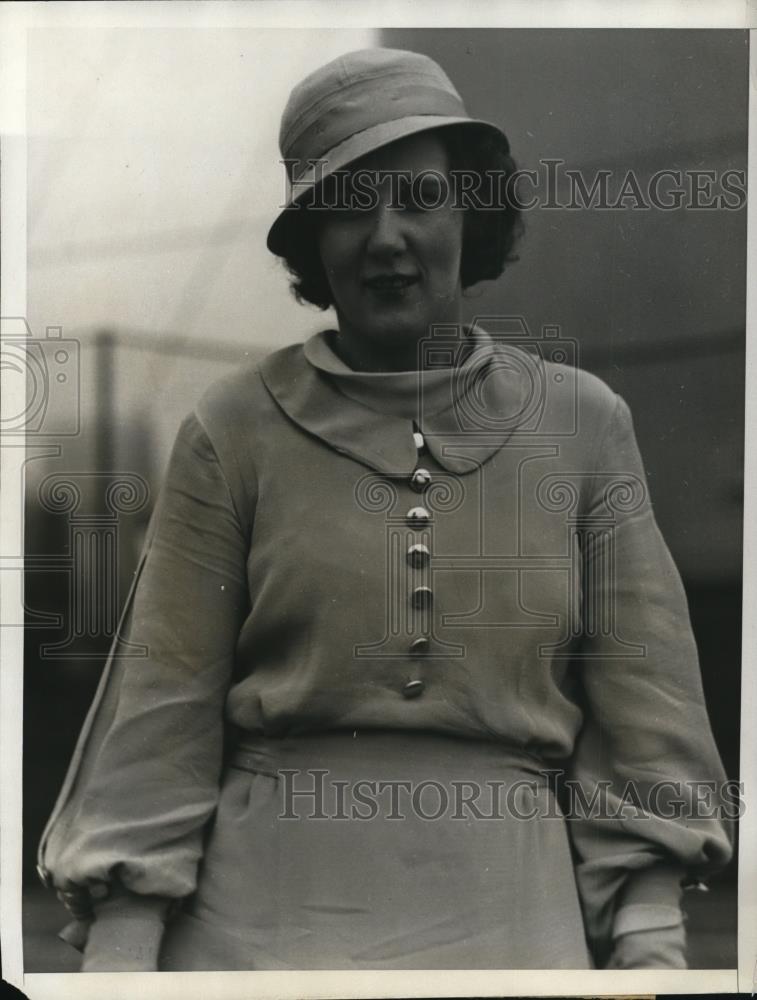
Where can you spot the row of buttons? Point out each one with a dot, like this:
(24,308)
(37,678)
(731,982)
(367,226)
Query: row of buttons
(418,557)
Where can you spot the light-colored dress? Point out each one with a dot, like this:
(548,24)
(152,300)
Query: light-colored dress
(318,593)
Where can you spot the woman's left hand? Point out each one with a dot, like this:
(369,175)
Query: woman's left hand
(658,948)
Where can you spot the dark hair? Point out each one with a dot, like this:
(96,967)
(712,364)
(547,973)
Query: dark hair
(489,234)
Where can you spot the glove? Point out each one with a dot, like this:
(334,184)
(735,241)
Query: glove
(126,933)
(648,937)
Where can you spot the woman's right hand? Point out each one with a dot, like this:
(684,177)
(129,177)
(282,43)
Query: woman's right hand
(126,933)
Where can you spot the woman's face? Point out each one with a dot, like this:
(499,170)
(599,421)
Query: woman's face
(394,268)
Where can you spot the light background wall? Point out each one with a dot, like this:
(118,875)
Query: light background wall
(153,175)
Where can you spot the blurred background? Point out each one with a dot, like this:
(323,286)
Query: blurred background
(153,176)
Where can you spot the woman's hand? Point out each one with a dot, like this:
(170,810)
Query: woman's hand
(651,947)
(126,933)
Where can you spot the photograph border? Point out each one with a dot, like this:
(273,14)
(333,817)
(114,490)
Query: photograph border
(15,21)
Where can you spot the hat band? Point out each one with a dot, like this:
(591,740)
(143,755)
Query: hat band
(361,109)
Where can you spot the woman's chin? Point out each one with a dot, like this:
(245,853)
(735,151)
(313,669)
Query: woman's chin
(396,323)
(396,336)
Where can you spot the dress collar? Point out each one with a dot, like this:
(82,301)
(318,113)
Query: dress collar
(466,411)
(398,394)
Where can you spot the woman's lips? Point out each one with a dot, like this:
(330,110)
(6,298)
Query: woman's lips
(390,282)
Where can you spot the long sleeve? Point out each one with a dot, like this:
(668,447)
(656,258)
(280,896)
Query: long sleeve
(646,753)
(145,774)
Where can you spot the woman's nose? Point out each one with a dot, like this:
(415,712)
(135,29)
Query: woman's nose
(386,237)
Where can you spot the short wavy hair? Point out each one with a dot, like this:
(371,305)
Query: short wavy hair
(489,234)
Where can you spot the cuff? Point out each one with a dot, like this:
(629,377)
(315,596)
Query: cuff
(126,933)
(76,933)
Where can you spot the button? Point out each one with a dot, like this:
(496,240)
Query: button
(420,480)
(420,443)
(419,646)
(422,597)
(413,688)
(418,556)
(418,517)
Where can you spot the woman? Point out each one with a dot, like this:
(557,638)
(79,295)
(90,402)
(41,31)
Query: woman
(399,579)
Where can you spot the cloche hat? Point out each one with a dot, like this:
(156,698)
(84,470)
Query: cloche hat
(353,105)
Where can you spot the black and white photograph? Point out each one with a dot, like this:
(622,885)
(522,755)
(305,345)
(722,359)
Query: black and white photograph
(375,398)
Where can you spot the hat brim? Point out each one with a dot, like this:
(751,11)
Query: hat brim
(352,149)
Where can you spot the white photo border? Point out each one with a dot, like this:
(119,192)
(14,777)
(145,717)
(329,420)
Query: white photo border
(15,20)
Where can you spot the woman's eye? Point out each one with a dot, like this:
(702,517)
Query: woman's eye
(342,215)
(420,196)
(349,210)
